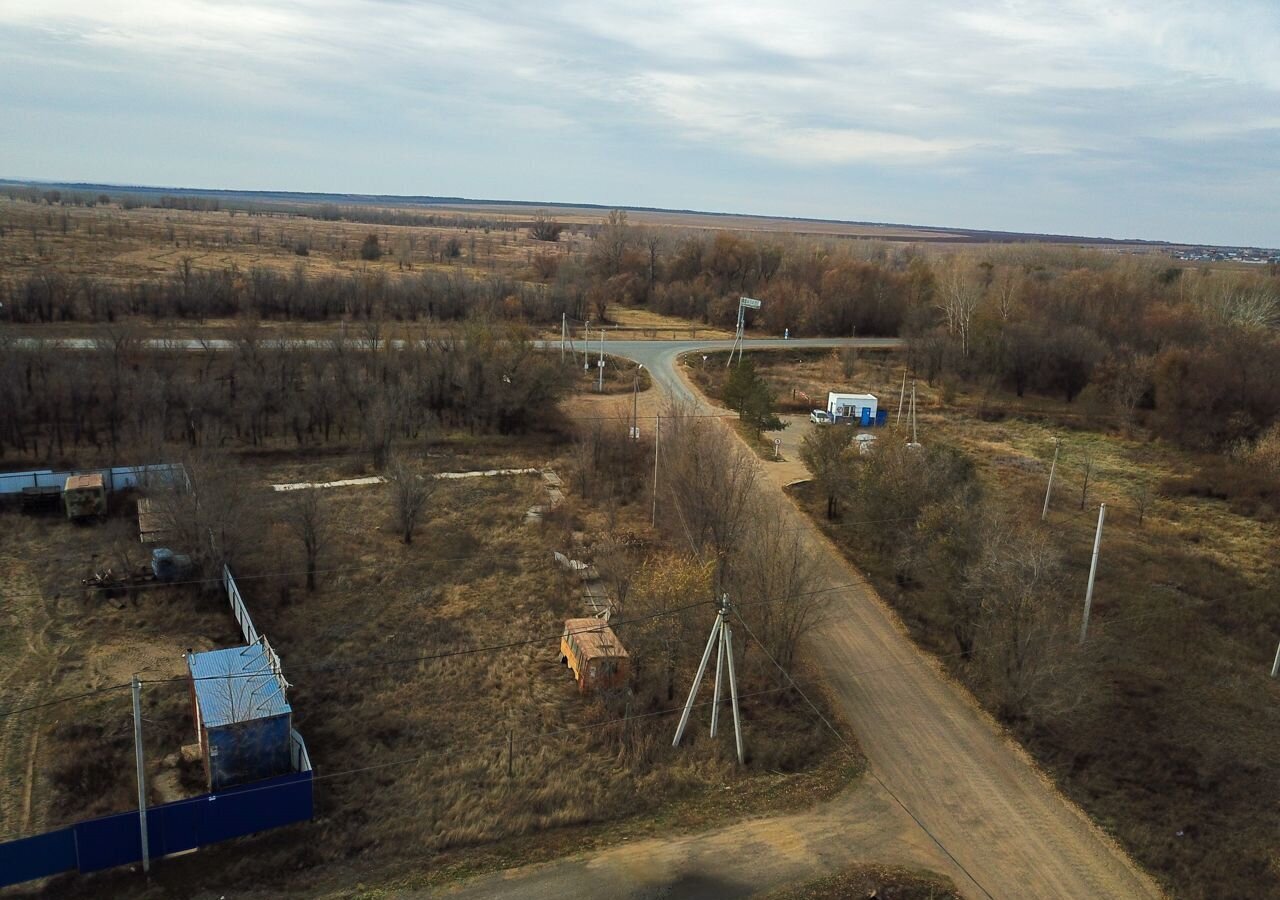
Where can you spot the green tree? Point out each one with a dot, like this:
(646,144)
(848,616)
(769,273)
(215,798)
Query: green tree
(371,249)
(749,395)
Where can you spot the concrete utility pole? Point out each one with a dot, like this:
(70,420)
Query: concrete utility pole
(657,441)
(586,345)
(600,364)
(142,772)
(902,395)
(635,404)
(721,636)
(1057,445)
(1093,573)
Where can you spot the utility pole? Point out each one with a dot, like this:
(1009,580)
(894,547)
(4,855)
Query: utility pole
(600,364)
(744,304)
(1093,572)
(635,405)
(657,441)
(902,395)
(586,345)
(142,772)
(1057,444)
(564,325)
(1275,666)
(721,637)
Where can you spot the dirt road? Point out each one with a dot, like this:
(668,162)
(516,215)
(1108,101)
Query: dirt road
(1009,833)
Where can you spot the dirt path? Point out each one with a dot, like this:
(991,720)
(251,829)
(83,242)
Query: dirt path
(735,861)
(1009,832)
(27,668)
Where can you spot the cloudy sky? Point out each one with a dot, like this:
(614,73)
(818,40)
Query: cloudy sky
(1124,118)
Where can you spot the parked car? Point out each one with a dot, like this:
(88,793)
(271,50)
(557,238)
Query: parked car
(820,417)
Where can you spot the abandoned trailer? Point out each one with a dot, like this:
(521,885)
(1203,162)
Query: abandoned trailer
(243,720)
(591,649)
(85,497)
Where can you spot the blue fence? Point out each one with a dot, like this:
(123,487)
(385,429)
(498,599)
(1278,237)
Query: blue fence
(171,828)
(114,478)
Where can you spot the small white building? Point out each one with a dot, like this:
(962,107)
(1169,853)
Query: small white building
(850,407)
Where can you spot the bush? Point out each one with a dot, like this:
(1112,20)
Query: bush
(371,250)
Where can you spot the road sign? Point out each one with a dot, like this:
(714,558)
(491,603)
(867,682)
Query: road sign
(749,303)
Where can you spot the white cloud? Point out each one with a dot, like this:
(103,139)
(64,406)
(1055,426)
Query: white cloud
(910,86)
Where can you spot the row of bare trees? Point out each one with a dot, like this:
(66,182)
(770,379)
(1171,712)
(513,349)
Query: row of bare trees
(990,581)
(196,294)
(479,377)
(725,540)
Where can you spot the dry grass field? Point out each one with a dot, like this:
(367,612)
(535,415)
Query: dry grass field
(109,241)
(1170,745)
(427,769)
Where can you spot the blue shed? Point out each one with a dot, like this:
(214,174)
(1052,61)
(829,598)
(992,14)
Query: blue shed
(242,717)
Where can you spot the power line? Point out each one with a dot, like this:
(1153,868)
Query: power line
(4,714)
(925,659)
(151,585)
(840,737)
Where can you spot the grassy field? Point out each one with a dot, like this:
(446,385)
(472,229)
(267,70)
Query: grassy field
(1171,745)
(428,769)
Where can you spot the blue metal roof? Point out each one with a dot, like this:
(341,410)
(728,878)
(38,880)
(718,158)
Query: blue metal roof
(237,685)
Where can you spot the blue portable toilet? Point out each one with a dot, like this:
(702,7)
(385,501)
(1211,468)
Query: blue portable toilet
(882,417)
(242,717)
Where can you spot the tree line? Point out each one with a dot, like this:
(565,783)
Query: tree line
(1186,353)
(193,294)
(478,377)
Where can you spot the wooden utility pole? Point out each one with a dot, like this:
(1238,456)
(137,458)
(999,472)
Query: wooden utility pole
(1093,573)
(142,772)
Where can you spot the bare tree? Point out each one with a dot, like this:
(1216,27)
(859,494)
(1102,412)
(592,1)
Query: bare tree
(410,492)
(827,453)
(1086,476)
(665,584)
(1021,652)
(209,514)
(773,579)
(1140,493)
(710,481)
(307,516)
(959,294)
